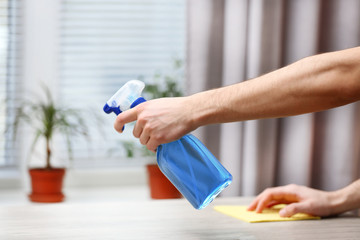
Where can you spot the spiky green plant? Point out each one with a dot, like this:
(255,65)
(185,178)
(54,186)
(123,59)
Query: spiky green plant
(47,118)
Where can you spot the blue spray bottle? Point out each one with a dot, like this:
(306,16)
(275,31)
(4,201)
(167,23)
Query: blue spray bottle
(186,162)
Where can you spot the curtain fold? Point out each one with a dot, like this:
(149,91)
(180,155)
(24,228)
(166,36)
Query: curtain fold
(296,134)
(230,41)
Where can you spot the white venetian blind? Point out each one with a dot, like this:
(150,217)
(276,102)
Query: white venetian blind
(9,64)
(105,43)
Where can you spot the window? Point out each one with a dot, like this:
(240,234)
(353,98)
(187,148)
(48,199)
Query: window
(105,43)
(9,64)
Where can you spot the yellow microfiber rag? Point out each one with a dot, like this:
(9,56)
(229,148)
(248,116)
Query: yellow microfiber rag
(267,215)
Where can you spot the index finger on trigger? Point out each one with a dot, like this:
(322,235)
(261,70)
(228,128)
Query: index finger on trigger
(125,117)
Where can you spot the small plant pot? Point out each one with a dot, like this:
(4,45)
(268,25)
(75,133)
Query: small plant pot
(47,185)
(160,186)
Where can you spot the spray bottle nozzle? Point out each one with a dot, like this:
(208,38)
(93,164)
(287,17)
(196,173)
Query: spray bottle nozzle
(128,96)
(107,109)
(125,98)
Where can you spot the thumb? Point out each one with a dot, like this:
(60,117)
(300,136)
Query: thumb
(294,208)
(125,117)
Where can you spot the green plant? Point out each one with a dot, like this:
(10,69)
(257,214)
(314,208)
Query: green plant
(47,118)
(129,147)
(167,85)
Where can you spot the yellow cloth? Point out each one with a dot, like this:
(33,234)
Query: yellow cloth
(267,215)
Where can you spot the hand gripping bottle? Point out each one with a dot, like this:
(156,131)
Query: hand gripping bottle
(186,162)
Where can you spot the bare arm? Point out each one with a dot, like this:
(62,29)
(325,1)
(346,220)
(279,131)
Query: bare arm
(312,84)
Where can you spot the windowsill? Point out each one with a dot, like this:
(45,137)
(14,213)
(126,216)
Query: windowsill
(81,178)
(106,177)
(83,185)
(83,195)
(10,178)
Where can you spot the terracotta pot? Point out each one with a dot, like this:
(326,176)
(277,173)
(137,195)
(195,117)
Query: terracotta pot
(160,186)
(47,185)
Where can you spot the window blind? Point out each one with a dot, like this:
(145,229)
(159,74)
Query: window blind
(9,65)
(103,45)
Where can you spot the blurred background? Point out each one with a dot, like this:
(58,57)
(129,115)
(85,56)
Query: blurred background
(83,51)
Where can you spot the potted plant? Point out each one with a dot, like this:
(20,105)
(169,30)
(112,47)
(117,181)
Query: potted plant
(163,86)
(160,187)
(46,119)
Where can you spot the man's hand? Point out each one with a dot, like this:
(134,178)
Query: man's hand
(159,121)
(300,199)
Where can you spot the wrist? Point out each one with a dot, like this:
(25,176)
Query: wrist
(338,200)
(202,110)
(194,115)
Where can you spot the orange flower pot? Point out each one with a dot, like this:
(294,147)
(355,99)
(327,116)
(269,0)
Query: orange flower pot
(160,186)
(47,185)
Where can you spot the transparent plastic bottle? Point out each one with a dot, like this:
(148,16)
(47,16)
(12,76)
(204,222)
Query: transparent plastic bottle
(186,162)
(193,170)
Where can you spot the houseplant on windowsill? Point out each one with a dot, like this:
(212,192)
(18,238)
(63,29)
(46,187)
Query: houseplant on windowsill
(163,86)
(46,119)
(160,187)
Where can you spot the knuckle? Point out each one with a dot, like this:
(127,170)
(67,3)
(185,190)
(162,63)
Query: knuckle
(141,121)
(141,106)
(151,145)
(267,191)
(118,119)
(158,137)
(266,195)
(291,208)
(310,205)
(148,128)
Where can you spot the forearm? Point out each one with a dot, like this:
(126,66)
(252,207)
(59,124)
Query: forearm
(312,84)
(345,199)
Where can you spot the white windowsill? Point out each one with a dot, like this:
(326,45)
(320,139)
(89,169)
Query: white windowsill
(82,195)
(83,185)
(92,177)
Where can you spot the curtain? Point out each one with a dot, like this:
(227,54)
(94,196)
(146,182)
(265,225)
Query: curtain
(230,41)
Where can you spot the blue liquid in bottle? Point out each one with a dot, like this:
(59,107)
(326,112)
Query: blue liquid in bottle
(193,170)
(187,163)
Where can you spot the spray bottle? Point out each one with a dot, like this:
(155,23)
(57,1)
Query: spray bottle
(186,162)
